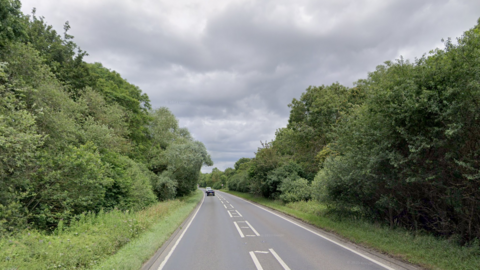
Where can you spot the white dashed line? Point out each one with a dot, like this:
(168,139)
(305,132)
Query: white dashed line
(229,214)
(232,206)
(238,229)
(255,261)
(225,206)
(251,227)
(284,265)
(238,213)
(322,236)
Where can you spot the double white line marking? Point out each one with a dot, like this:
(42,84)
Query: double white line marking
(249,226)
(259,266)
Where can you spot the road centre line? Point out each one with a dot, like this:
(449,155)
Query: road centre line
(180,238)
(255,261)
(284,265)
(324,237)
(238,229)
(251,227)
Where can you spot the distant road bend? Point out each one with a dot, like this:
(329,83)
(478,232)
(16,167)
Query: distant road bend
(227,232)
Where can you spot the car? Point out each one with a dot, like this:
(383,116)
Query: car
(209,191)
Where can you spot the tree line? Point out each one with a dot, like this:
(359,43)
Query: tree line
(76,137)
(401,146)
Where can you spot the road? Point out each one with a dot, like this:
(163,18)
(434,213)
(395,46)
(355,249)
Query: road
(227,232)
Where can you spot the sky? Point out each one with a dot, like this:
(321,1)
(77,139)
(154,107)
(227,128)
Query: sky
(228,69)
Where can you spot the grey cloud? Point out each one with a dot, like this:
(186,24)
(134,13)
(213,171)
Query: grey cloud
(229,74)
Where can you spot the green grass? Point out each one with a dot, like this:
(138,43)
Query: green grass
(422,249)
(113,240)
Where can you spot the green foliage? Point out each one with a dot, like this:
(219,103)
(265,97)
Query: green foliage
(312,119)
(275,179)
(117,90)
(184,162)
(63,57)
(77,137)
(164,186)
(11,26)
(88,241)
(67,183)
(409,154)
(240,162)
(239,181)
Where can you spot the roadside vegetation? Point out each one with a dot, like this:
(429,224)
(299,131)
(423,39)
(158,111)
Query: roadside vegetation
(84,158)
(398,153)
(114,240)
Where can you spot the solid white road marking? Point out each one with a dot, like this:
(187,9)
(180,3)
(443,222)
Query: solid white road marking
(258,251)
(245,227)
(238,213)
(324,237)
(255,261)
(225,206)
(238,229)
(229,214)
(181,236)
(251,227)
(284,265)
(232,206)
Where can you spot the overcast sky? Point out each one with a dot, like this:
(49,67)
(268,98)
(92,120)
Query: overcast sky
(229,69)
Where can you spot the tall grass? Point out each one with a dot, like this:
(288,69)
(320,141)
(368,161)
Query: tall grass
(418,248)
(85,243)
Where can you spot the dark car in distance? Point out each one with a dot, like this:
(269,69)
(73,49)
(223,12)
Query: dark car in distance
(209,191)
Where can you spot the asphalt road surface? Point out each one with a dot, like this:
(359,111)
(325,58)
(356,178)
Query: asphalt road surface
(227,232)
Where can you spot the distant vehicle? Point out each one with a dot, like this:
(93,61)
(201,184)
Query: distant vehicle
(209,191)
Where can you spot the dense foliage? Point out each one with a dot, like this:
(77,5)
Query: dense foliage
(77,137)
(402,146)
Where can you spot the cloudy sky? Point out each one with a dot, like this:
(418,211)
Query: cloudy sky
(229,68)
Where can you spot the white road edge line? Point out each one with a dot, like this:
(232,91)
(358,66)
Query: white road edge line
(251,227)
(255,261)
(229,214)
(284,265)
(180,238)
(238,229)
(324,237)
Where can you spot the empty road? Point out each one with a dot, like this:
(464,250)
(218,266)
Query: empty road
(227,232)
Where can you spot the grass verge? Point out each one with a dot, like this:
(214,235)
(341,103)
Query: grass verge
(112,240)
(425,250)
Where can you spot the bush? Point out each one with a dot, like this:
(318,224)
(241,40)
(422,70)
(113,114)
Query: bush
(217,185)
(164,186)
(295,190)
